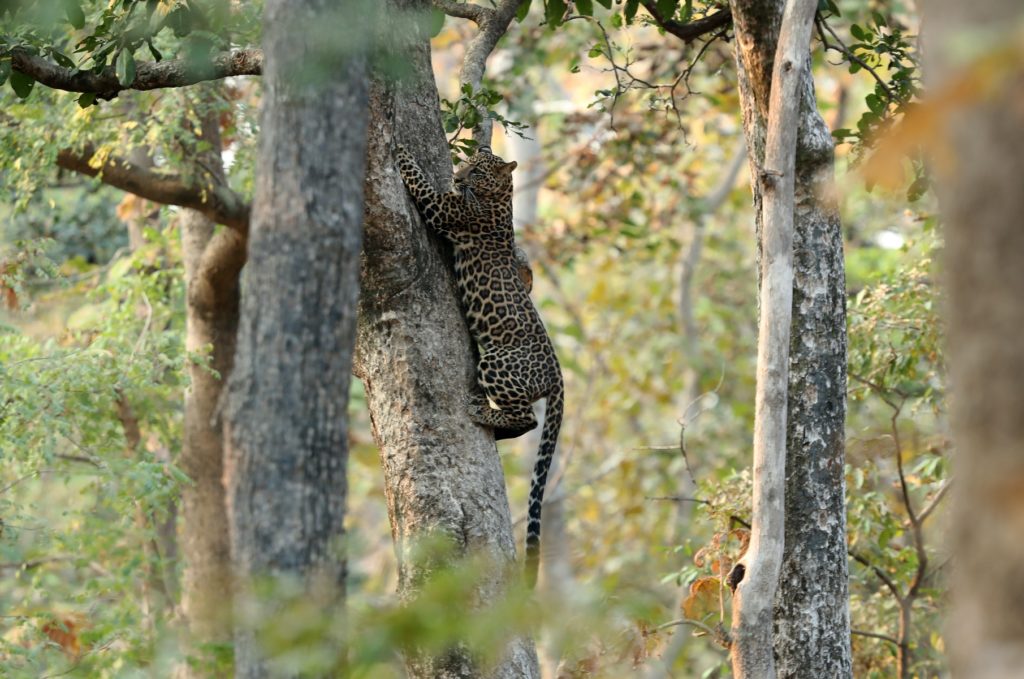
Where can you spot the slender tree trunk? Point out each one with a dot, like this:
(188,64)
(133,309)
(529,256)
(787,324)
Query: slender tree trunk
(212,266)
(211,321)
(287,420)
(442,474)
(982,202)
(811,612)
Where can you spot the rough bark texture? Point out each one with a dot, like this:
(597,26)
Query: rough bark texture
(982,201)
(287,421)
(811,616)
(751,651)
(442,473)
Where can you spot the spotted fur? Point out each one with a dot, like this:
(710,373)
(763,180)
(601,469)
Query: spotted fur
(517,361)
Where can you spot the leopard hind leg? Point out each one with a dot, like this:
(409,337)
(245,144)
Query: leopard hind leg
(505,406)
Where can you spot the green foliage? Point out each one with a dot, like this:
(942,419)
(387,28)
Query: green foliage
(81,499)
(467,112)
(898,454)
(80,220)
(885,51)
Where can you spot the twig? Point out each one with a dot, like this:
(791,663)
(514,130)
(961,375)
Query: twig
(34,563)
(879,573)
(936,499)
(844,50)
(875,635)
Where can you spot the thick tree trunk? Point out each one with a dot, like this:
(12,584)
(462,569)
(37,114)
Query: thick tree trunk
(982,201)
(286,424)
(442,473)
(811,613)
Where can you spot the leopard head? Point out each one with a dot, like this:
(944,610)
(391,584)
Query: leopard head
(485,177)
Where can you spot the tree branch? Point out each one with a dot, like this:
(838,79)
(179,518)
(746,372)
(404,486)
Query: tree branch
(875,635)
(218,202)
(149,75)
(463,10)
(936,499)
(691,30)
(493,24)
(879,573)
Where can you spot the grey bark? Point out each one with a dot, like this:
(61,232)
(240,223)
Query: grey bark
(811,612)
(982,203)
(751,650)
(286,420)
(442,474)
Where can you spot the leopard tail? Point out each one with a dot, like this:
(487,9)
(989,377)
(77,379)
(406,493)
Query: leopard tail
(548,441)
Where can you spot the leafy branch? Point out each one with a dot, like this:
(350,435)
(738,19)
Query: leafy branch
(468,111)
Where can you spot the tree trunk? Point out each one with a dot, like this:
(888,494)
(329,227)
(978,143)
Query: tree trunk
(442,473)
(287,423)
(811,612)
(211,318)
(212,266)
(982,202)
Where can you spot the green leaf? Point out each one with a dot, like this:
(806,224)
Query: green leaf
(595,51)
(154,51)
(125,67)
(5,70)
(585,7)
(687,11)
(879,19)
(76,17)
(524,9)
(433,22)
(607,4)
(630,10)
(667,8)
(833,7)
(554,10)
(62,59)
(87,99)
(22,84)
(858,32)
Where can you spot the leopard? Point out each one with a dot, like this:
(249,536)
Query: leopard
(517,361)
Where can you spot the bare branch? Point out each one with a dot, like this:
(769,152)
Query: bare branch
(149,75)
(889,582)
(34,563)
(691,30)
(493,25)
(218,202)
(464,10)
(936,499)
(875,635)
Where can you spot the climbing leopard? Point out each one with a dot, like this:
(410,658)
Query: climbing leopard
(517,361)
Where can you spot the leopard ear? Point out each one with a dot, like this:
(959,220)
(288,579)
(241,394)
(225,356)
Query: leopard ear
(508,167)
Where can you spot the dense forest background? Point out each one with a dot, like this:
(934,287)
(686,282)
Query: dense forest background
(633,203)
